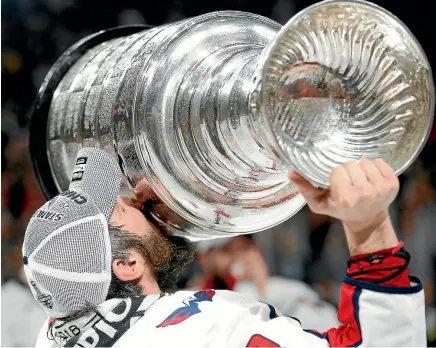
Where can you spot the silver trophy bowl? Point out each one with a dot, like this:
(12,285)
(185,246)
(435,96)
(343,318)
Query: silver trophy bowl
(345,80)
(213,111)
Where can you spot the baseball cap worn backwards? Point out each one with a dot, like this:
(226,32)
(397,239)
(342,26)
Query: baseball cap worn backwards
(66,250)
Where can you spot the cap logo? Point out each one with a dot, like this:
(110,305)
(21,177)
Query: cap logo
(79,168)
(46,215)
(81,160)
(74,196)
(45,300)
(77,176)
(51,203)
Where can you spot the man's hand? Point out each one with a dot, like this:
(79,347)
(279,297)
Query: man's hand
(359,194)
(254,268)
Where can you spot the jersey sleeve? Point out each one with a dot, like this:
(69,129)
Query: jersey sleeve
(372,313)
(378,316)
(43,340)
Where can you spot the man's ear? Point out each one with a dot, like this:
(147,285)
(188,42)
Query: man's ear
(131,269)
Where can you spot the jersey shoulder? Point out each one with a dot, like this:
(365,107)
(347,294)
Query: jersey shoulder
(43,341)
(178,318)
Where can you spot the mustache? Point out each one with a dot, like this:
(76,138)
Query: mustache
(181,251)
(146,210)
(181,246)
(182,254)
(157,212)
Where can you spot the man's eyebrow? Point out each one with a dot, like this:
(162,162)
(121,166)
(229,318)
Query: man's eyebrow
(146,210)
(119,228)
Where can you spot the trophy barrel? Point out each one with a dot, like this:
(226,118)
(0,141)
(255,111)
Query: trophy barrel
(40,113)
(172,105)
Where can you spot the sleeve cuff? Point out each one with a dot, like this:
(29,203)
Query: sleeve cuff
(415,286)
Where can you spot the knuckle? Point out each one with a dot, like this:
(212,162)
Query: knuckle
(364,162)
(380,161)
(346,201)
(336,171)
(388,186)
(366,194)
(383,188)
(350,164)
(384,167)
(394,184)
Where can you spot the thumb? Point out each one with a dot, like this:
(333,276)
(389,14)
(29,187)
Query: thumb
(311,193)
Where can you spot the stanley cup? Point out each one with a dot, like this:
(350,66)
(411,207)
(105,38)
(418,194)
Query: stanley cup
(212,111)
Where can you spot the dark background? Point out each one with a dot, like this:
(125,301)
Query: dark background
(36,32)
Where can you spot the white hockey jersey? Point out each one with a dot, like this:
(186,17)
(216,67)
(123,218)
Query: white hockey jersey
(371,316)
(296,299)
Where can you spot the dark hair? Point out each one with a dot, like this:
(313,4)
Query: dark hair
(167,255)
(121,242)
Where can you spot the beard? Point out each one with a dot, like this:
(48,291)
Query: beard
(168,256)
(181,254)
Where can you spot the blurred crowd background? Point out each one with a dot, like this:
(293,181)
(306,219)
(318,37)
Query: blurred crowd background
(304,259)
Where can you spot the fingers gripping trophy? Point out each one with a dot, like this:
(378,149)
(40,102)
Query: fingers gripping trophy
(211,112)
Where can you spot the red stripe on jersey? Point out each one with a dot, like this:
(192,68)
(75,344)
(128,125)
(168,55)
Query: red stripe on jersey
(349,333)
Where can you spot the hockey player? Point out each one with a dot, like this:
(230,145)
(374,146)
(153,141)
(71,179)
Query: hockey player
(104,273)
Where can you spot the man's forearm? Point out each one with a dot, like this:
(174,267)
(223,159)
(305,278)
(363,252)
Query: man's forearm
(370,236)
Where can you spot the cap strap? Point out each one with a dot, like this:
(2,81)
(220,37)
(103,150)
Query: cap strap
(70,276)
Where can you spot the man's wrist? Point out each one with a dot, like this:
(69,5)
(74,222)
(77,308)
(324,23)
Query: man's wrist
(387,267)
(370,236)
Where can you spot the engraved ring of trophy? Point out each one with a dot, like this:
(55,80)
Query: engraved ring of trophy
(212,112)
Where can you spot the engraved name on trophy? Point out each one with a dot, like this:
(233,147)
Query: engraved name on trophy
(212,111)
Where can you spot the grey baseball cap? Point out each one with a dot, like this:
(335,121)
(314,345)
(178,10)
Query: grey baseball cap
(66,250)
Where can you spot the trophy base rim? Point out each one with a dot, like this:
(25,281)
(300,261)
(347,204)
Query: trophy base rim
(41,106)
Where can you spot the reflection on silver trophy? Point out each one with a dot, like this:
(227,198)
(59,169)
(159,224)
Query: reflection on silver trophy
(212,111)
